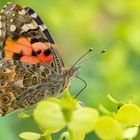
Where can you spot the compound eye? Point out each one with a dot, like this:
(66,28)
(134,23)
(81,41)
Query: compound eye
(5,99)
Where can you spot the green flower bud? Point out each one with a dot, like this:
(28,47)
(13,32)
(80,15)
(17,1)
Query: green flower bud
(30,136)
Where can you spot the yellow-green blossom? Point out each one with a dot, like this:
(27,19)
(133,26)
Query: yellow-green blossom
(82,122)
(108,128)
(49,116)
(129,115)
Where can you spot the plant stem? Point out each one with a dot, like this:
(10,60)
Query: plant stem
(48,137)
(70,134)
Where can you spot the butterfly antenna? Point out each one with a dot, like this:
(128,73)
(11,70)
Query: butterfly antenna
(85,85)
(102,51)
(90,50)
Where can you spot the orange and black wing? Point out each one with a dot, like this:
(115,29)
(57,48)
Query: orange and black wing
(25,38)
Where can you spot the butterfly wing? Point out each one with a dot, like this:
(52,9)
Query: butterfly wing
(40,23)
(25,38)
(28,60)
(56,56)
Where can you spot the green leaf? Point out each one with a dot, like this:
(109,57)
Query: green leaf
(30,136)
(130,133)
(129,115)
(108,128)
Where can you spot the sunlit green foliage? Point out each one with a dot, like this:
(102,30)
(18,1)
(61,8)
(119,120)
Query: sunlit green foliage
(77,25)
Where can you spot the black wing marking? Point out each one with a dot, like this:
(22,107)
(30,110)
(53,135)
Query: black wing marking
(24,22)
(57,57)
(38,20)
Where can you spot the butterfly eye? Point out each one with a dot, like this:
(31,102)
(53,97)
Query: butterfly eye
(5,99)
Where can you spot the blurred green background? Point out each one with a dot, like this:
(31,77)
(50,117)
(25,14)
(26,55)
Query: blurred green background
(77,25)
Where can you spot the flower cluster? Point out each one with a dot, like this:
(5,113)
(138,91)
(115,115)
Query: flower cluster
(54,114)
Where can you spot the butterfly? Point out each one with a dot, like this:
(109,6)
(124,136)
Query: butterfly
(31,68)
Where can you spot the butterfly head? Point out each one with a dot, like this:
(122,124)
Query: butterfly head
(71,72)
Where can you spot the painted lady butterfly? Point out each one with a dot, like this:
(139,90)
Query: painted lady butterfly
(31,68)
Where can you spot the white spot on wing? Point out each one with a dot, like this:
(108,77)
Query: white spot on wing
(11,20)
(31,26)
(12,28)
(34,23)
(41,27)
(5,6)
(1,11)
(13,14)
(34,15)
(25,28)
(22,12)
(0,32)
(44,26)
(9,3)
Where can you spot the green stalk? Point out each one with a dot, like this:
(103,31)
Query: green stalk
(48,137)
(71,134)
(75,136)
